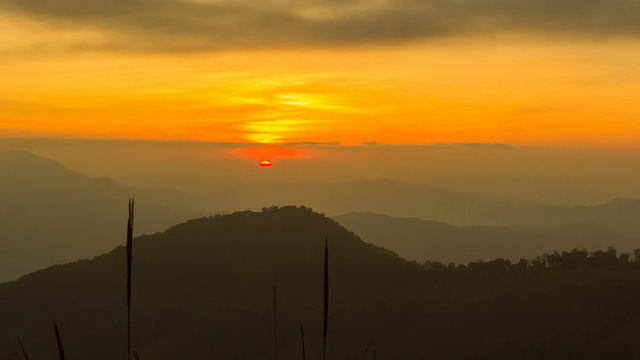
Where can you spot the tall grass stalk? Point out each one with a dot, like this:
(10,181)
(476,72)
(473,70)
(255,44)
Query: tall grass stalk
(24,352)
(326,296)
(372,345)
(59,340)
(304,352)
(275,320)
(129,263)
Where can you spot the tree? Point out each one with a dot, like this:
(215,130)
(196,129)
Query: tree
(600,258)
(434,266)
(624,258)
(522,265)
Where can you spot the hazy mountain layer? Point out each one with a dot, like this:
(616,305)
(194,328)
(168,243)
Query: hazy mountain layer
(422,240)
(50,215)
(429,202)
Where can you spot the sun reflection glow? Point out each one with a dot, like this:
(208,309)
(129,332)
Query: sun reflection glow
(269,153)
(272,131)
(294,100)
(291,116)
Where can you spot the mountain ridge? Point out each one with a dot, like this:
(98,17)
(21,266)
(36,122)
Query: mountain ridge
(204,289)
(50,214)
(423,240)
(52,218)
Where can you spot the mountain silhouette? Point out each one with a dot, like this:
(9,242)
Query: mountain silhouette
(203,289)
(422,240)
(50,215)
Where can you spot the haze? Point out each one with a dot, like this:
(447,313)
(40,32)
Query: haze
(536,175)
(472,165)
(490,102)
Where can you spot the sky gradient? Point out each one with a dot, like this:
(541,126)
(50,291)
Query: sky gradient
(350,72)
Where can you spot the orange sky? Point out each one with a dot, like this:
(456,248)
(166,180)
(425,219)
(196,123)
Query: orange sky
(515,90)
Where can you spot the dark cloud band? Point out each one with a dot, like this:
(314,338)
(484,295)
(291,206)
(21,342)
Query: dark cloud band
(179,25)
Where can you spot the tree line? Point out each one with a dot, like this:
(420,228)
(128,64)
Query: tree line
(565,260)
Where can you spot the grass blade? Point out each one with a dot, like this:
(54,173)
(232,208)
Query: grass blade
(304,352)
(135,355)
(326,296)
(59,340)
(129,263)
(275,320)
(24,352)
(372,345)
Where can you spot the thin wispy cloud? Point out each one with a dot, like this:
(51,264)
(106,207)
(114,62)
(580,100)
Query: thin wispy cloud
(174,25)
(437,145)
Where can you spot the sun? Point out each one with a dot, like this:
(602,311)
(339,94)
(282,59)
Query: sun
(265,163)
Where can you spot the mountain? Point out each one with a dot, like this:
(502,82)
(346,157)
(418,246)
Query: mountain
(39,197)
(424,201)
(619,215)
(381,196)
(203,289)
(50,215)
(422,240)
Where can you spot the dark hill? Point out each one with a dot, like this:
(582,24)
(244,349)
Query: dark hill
(51,215)
(203,290)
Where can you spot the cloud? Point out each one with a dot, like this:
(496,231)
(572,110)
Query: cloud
(374,144)
(313,144)
(196,25)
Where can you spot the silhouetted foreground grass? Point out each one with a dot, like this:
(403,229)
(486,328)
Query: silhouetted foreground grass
(130,221)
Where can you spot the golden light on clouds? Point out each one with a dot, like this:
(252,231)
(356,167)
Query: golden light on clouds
(294,100)
(273,131)
(268,151)
(290,117)
(420,93)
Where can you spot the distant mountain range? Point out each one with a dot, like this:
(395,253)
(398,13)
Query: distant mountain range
(51,215)
(430,203)
(380,196)
(204,289)
(422,240)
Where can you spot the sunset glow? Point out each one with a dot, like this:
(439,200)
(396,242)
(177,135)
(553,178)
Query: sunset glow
(520,90)
(447,159)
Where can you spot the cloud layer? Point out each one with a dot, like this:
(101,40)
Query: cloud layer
(179,25)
